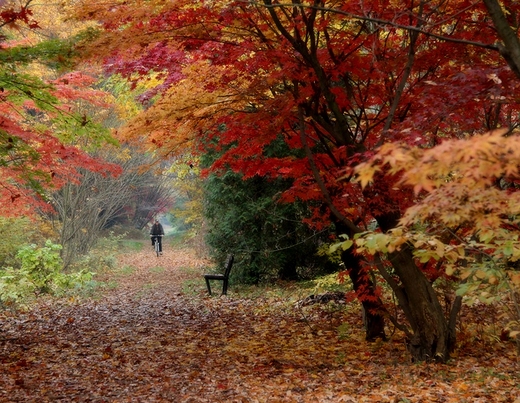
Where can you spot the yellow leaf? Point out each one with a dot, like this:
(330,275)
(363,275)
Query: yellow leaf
(514,334)
(480,274)
(440,249)
(461,386)
(465,274)
(365,173)
(515,279)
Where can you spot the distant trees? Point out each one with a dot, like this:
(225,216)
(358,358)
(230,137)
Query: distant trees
(38,114)
(186,215)
(59,158)
(96,202)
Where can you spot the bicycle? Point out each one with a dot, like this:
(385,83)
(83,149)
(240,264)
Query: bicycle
(156,244)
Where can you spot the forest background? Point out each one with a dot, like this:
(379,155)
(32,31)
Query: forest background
(369,146)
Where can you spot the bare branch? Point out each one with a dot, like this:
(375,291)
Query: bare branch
(381,21)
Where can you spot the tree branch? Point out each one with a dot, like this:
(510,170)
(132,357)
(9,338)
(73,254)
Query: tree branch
(383,22)
(511,51)
(402,83)
(350,225)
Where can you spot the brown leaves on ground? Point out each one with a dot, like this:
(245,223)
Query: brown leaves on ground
(147,341)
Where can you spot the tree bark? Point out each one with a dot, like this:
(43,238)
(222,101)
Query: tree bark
(373,308)
(432,338)
(510,50)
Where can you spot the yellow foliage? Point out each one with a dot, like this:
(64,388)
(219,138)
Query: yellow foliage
(515,279)
(188,185)
(457,176)
(461,215)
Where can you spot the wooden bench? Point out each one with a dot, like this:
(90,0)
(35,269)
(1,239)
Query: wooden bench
(221,277)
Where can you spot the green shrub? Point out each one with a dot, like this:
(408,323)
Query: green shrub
(103,256)
(14,233)
(40,272)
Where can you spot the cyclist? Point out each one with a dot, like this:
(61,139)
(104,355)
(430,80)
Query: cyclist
(155,233)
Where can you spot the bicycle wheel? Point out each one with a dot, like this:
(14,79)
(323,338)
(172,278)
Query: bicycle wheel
(157,247)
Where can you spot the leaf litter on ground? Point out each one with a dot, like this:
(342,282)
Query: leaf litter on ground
(145,340)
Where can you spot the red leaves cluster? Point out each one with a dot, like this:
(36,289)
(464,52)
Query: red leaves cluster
(33,159)
(261,69)
(11,17)
(36,163)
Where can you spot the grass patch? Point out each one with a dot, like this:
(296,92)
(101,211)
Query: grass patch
(94,289)
(111,285)
(194,284)
(288,290)
(127,270)
(131,245)
(175,240)
(193,287)
(157,269)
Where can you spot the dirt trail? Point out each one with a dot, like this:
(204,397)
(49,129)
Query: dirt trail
(117,348)
(167,271)
(145,340)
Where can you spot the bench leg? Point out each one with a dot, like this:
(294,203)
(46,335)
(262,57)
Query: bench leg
(209,286)
(224,286)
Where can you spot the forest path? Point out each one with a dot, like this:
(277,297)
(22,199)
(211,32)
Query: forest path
(166,273)
(146,340)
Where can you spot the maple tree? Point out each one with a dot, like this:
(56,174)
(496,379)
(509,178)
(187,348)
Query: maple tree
(467,215)
(336,81)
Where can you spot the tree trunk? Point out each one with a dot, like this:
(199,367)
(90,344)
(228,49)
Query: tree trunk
(431,338)
(510,50)
(288,271)
(373,309)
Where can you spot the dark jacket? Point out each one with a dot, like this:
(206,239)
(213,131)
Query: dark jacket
(157,229)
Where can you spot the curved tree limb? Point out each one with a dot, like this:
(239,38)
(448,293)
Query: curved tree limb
(381,21)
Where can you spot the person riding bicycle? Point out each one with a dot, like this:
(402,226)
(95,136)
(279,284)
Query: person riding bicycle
(155,233)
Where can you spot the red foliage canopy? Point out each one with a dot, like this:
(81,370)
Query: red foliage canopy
(361,74)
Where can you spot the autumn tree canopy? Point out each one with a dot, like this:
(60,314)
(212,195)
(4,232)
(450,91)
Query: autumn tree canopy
(336,80)
(39,117)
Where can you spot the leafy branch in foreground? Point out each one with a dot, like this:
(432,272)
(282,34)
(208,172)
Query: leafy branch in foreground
(467,217)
